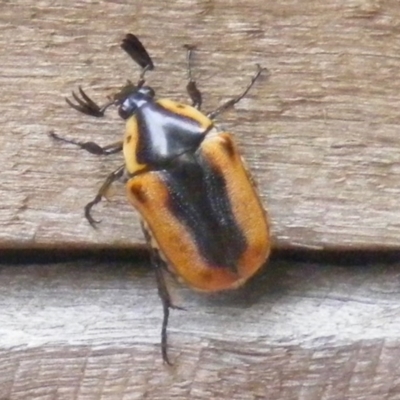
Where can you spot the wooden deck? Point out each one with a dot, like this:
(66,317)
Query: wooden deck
(321,135)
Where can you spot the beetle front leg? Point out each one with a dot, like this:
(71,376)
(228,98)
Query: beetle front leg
(191,87)
(230,103)
(115,175)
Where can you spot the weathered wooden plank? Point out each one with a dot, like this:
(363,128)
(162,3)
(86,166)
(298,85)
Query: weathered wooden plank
(301,331)
(321,133)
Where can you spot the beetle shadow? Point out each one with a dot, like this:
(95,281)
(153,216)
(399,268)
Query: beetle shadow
(300,272)
(268,285)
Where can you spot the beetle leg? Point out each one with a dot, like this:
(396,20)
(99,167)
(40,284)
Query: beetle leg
(115,175)
(86,105)
(159,267)
(166,303)
(193,92)
(92,147)
(230,103)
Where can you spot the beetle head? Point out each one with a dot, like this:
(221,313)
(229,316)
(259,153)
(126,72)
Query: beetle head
(134,100)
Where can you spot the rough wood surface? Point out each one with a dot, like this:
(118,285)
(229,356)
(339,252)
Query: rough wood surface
(306,332)
(322,137)
(321,133)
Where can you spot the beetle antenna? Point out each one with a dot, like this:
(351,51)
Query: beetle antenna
(135,50)
(191,87)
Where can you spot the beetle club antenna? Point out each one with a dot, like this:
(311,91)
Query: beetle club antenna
(135,50)
(191,87)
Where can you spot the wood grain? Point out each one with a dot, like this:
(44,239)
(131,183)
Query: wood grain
(320,133)
(321,136)
(301,331)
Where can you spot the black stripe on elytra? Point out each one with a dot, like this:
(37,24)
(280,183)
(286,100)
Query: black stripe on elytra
(198,198)
(164,135)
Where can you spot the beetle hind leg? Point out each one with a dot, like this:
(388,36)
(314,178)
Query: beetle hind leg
(159,267)
(230,103)
(167,304)
(191,87)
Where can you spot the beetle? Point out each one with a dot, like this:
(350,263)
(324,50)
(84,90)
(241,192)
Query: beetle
(202,217)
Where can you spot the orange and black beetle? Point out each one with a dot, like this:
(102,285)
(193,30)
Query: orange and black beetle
(202,217)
